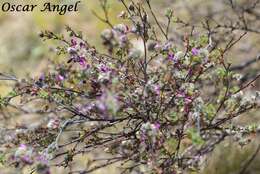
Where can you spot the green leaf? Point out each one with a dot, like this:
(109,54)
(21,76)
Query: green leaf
(209,111)
(203,40)
(195,137)
(43,94)
(169,13)
(12,94)
(2,158)
(174,117)
(221,72)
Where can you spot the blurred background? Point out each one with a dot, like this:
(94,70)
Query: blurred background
(23,53)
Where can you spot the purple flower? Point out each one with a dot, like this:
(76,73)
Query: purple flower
(171,56)
(42,77)
(42,159)
(157,125)
(26,159)
(180,94)
(82,61)
(59,77)
(22,147)
(195,51)
(103,68)
(102,107)
(190,72)
(73,42)
(82,45)
(187,100)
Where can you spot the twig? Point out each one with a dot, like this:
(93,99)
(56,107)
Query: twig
(156,20)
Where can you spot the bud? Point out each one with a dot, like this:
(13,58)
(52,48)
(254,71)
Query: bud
(41,34)
(121,28)
(131,7)
(107,34)
(169,13)
(122,14)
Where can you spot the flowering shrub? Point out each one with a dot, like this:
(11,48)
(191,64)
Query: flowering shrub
(155,108)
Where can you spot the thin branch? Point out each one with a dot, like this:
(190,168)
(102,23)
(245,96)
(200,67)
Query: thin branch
(156,20)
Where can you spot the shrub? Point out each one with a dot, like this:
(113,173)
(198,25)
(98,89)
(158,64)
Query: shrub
(155,107)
